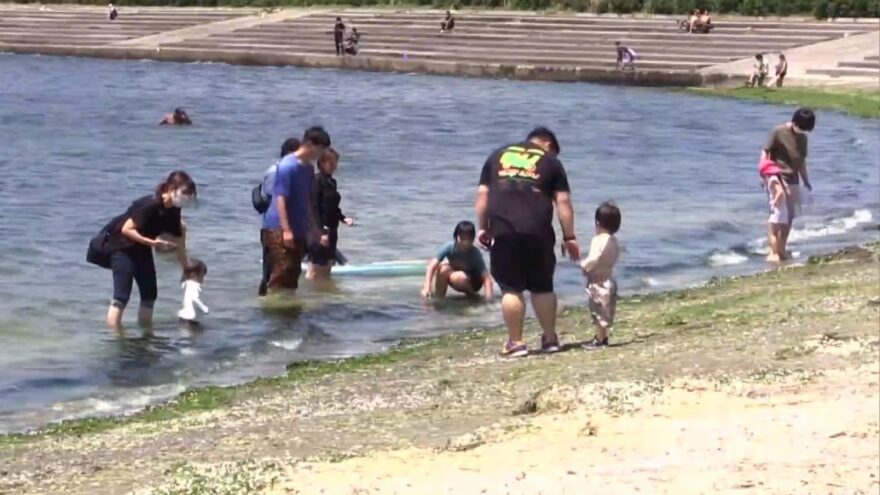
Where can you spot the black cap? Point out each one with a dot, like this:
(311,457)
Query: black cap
(545,133)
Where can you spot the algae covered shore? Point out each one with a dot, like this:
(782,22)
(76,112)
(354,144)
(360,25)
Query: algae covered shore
(861,103)
(759,383)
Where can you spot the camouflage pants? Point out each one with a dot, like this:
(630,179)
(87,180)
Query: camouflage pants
(285,262)
(602,298)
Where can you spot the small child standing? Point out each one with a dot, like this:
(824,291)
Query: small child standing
(194,277)
(777,193)
(598,270)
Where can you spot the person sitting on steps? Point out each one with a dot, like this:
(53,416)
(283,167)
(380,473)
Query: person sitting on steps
(448,23)
(703,23)
(351,43)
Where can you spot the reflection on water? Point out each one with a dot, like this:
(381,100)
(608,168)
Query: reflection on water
(80,142)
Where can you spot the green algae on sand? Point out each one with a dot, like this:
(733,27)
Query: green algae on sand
(861,103)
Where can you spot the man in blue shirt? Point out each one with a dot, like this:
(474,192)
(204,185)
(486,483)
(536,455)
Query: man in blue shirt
(458,264)
(289,220)
(267,187)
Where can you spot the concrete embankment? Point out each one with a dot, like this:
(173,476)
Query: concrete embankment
(523,46)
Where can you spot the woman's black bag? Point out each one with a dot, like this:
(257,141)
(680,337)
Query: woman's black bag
(99,247)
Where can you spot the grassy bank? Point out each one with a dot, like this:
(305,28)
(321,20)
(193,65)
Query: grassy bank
(861,103)
(432,393)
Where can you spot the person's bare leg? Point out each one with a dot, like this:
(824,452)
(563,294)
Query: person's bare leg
(782,241)
(114,317)
(318,273)
(545,309)
(462,283)
(145,316)
(772,243)
(441,281)
(779,247)
(601,332)
(513,308)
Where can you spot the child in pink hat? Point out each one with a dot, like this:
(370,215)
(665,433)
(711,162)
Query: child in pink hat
(777,193)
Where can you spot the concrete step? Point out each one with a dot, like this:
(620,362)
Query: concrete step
(97,23)
(845,72)
(617,28)
(463,50)
(65,41)
(875,58)
(105,28)
(860,65)
(128,14)
(472,57)
(611,28)
(297,30)
(526,17)
(415,44)
(512,43)
(755,45)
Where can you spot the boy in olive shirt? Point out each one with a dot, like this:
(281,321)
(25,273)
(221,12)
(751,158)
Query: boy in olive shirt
(787,146)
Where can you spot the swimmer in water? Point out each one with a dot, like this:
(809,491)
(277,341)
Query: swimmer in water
(178,117)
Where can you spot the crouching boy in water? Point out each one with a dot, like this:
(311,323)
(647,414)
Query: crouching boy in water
(598,269)
(458,264)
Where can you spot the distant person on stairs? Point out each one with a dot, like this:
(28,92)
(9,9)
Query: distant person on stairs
(448,23)
(781,71)
(112,13)
(338,35)
(351,44)
(626,57)
(760,70)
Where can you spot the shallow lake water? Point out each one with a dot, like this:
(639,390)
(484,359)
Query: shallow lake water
(79,142)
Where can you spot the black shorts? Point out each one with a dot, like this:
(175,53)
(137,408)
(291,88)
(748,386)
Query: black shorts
(524,263)
(476,280)
(323,255)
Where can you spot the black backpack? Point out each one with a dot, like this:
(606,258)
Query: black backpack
(261,201)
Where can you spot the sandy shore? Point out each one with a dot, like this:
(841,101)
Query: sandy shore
(791,437)
(764,384)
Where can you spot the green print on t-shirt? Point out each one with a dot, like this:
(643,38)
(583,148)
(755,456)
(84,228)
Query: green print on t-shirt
(519,163)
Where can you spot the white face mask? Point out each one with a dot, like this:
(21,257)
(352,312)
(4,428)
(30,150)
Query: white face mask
(797,130)
(180,199)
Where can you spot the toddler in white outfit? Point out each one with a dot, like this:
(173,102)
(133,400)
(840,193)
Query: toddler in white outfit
(780,215)
(194,277)
(598,268)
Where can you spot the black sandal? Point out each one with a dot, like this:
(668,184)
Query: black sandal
(595,343)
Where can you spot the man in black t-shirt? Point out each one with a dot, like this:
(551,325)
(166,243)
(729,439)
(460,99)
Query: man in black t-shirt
(338,34)
(519,186)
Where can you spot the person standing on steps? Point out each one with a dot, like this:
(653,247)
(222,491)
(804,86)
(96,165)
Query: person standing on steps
(519,186)
(338,35)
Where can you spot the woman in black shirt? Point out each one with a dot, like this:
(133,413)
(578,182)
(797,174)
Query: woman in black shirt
(328,216)
(134,234)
